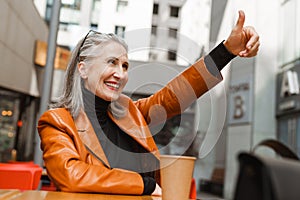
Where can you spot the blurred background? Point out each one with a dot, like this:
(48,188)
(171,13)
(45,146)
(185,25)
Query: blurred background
(258,99)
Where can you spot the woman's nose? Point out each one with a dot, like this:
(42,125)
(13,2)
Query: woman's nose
(119,72)
(116,75)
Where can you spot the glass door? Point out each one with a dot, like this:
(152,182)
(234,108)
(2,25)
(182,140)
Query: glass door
(289,131)
(9,112)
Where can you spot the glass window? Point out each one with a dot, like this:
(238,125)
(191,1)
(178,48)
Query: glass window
(155,9)
(69,12)
(121,5)
(174,11)
(288,32)
(94,26)
(9,113)
(63,26)
(96,9)
(48,14)
(48,10)
(96,5)
(172,55)
(120,30)
(154,30)
(73,4)
(69,16)
(17,125)
(173,33)
(284,130)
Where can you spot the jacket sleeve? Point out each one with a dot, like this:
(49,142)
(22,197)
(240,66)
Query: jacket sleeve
(72,171)
(179,93)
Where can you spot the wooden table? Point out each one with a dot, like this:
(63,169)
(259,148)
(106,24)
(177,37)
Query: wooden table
(12,194)
(50,195)
(8,194)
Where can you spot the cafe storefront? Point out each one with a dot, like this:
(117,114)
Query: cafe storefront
(17,125)
(19,110)
(288,107)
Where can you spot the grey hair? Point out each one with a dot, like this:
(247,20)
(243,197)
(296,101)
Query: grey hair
(71,97)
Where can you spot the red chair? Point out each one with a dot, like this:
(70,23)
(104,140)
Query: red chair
(21,162)
(23,176)
(193,191)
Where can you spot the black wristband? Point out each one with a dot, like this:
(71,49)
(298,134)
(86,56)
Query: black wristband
(220,56)
(149,185)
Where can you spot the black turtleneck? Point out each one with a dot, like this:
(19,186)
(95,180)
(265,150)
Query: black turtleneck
(121,150)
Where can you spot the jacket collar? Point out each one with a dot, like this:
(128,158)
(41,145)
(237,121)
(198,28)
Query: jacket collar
(89,137)
(134,125)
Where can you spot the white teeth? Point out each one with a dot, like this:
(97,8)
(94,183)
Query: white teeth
(113,85)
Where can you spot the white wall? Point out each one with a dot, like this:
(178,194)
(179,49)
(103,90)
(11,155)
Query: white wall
(266,69)
(244,136)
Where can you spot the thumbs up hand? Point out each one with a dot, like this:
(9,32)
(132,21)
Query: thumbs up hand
(242,41)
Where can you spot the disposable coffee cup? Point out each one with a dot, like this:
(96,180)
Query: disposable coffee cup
(176,176)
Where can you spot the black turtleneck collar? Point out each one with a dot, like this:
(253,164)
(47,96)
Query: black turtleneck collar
(93,103)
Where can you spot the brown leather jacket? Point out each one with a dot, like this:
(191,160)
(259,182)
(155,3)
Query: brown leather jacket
(73,156)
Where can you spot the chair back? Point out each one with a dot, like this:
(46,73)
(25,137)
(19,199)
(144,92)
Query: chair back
(23,176)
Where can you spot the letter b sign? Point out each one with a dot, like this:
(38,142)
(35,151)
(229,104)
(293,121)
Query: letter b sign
(239,107)
(240,101)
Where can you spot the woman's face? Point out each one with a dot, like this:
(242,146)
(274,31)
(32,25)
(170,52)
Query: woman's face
(107,74)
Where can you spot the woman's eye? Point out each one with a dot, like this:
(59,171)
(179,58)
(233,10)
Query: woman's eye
(125,67)
(112,61)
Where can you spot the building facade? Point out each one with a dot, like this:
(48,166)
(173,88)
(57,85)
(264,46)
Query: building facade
(162,31)
(20,28)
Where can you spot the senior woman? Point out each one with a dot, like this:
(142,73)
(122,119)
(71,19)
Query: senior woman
(96,139)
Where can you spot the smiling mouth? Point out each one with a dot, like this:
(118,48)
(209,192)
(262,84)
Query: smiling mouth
(113,85)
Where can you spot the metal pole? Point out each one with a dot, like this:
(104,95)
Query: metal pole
(47,83)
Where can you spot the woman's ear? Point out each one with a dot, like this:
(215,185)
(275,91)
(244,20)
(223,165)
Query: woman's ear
(82,68)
